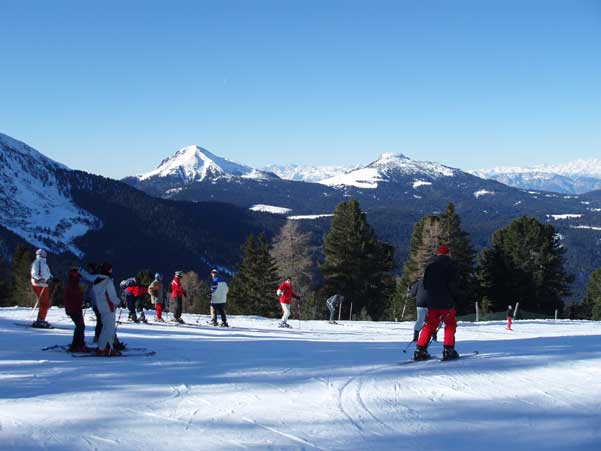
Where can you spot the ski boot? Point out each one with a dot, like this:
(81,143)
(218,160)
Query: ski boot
(214,323)
(415,335)
(421,353)
(131,318)
(332,322)
(449,353)
(120,346)
(224,324)
(41,324)
(284,324)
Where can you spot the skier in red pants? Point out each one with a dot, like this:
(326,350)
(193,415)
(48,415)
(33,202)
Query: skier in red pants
(509,317)
(440,291)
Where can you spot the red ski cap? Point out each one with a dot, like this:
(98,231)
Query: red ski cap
(442,250)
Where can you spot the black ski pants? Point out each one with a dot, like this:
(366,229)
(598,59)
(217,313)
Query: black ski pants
(219,309)
(98,327)
(78,333)
(176,307)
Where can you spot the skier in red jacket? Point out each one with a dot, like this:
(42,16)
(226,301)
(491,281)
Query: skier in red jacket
(286,293)
(177,293)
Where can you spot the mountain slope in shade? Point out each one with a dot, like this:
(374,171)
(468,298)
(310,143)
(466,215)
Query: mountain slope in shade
(37,204)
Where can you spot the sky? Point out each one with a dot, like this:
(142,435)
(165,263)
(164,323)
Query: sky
(114,87)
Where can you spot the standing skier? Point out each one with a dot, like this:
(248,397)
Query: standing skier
(140,292)
(177,293)
(333,303)
(286,294)
(40,275)
(107,302)
(440,292)
(157,296)
(219,291)
(417,291)
(509,317)
(73,298)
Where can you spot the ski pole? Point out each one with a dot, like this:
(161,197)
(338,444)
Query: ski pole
(37,301)
(299,314)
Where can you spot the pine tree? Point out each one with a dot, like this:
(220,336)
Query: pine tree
(21,291)
(292,254)
(525,263)
(592,302)
(356,264)
(429,233)
(463,254)
(253,288)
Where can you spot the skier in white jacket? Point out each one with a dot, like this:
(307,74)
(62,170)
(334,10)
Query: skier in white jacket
(40,275)
(219,290)
(107,302)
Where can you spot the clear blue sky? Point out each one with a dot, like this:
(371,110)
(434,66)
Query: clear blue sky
(113,87)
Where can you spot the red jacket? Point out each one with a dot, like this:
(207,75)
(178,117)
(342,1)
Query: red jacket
(287,293)
(177,291)
(139,290)
(73,297)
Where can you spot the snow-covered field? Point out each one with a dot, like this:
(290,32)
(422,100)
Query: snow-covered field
(257,387)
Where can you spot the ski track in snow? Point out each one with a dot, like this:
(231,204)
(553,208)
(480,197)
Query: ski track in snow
(257,387)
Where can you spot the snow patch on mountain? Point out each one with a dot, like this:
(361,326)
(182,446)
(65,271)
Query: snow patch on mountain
(388,167)
(565,216)
(36,204)
(418,183)
(483,192)
(195,164)
(270,209)
(300,217)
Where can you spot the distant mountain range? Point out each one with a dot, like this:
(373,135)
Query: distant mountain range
(199,207)
(576,177)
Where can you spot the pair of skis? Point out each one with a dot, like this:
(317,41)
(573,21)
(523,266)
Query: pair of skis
(433,359)
(130,352)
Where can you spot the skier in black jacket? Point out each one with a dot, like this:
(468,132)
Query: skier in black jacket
(440,292)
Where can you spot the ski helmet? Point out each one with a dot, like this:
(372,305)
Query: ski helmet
(158,276)
(41,253)
(179,273)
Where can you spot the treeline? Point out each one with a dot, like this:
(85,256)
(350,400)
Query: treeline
(524,263)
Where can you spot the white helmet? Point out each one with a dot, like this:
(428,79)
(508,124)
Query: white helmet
(41,253)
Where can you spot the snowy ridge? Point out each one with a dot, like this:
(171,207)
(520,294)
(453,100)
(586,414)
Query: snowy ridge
(386,168)
(307,173)
(270,209)
(37,204)
(195,164)
(580,167)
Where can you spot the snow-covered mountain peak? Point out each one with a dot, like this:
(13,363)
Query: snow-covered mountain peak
(389,168)
(26,151)
(193,164)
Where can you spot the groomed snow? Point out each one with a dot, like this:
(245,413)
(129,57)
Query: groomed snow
(320,387)
(270,209)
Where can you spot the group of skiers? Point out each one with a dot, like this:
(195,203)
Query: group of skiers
(102,296)
(435,295)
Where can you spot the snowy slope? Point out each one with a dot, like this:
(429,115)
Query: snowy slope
(388,167)
(195,164)
(320,387)
(36,201)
